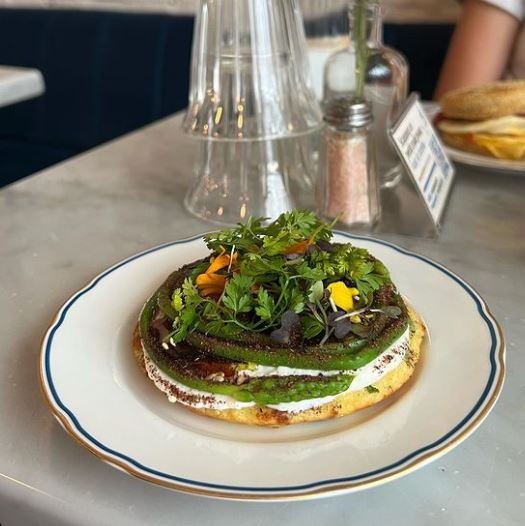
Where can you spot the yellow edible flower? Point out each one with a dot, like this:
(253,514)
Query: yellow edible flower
(342,295)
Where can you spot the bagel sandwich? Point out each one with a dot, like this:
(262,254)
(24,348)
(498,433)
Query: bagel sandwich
(488,120)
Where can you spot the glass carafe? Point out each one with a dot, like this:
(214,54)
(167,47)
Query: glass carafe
(386,86)
(252,108)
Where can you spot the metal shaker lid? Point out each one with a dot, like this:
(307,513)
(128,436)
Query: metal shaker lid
(348,113)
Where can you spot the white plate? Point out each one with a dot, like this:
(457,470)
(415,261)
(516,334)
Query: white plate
(98,394)
(473,159)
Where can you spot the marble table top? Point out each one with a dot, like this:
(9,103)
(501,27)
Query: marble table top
(18,84)
(64,225)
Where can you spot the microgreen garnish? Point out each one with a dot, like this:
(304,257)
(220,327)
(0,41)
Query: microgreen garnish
(290,331)
(392,311)
(285,279)
(342,325)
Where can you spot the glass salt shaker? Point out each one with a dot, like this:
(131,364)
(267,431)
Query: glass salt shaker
(348,186)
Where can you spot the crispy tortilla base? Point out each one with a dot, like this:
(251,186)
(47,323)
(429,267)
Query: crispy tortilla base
(342,405)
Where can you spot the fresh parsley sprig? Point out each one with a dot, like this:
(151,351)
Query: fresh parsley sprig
(271,279)
(289,228)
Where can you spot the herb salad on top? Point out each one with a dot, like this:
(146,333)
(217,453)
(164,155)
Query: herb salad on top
(278,321)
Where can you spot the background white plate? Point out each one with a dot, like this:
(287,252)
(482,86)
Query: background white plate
(98,394)
(473,159)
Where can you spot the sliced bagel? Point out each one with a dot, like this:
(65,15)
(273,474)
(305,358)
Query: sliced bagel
(489,101)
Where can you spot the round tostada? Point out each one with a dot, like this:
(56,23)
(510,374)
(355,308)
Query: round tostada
(278,325)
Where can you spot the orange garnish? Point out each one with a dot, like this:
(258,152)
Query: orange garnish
(211,291)
(210,283)
(298,248)
(210,280)
(219,262)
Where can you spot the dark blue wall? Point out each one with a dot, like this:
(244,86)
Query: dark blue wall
(108,73)
(105,73)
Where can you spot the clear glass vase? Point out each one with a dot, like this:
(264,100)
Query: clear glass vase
(386,86)
(252,107)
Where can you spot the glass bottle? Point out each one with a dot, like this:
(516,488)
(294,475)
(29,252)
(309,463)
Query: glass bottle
(386,85)
(326,27)
(347,184)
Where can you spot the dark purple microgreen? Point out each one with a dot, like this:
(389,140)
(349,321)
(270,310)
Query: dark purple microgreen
(326,246)
(341,326)
(291,330)
(342,329)
(334,316)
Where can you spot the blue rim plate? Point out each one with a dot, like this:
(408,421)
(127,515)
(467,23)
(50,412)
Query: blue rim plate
(98,394)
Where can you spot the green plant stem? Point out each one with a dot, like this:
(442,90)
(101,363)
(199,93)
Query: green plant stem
(360,47)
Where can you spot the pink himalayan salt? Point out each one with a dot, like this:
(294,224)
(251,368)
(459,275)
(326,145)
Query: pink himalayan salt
(348,185)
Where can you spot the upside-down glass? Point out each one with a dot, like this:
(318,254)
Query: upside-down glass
(253,109)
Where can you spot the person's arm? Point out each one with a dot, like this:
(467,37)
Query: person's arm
(480,47)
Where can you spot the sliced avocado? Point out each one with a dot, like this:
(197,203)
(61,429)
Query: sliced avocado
(257,348)
(262,391)
(311,357)
(349,353)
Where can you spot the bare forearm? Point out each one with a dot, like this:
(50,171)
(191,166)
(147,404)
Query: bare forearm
(480,47)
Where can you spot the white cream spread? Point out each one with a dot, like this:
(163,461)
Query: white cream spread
(363,377)
(177,392)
